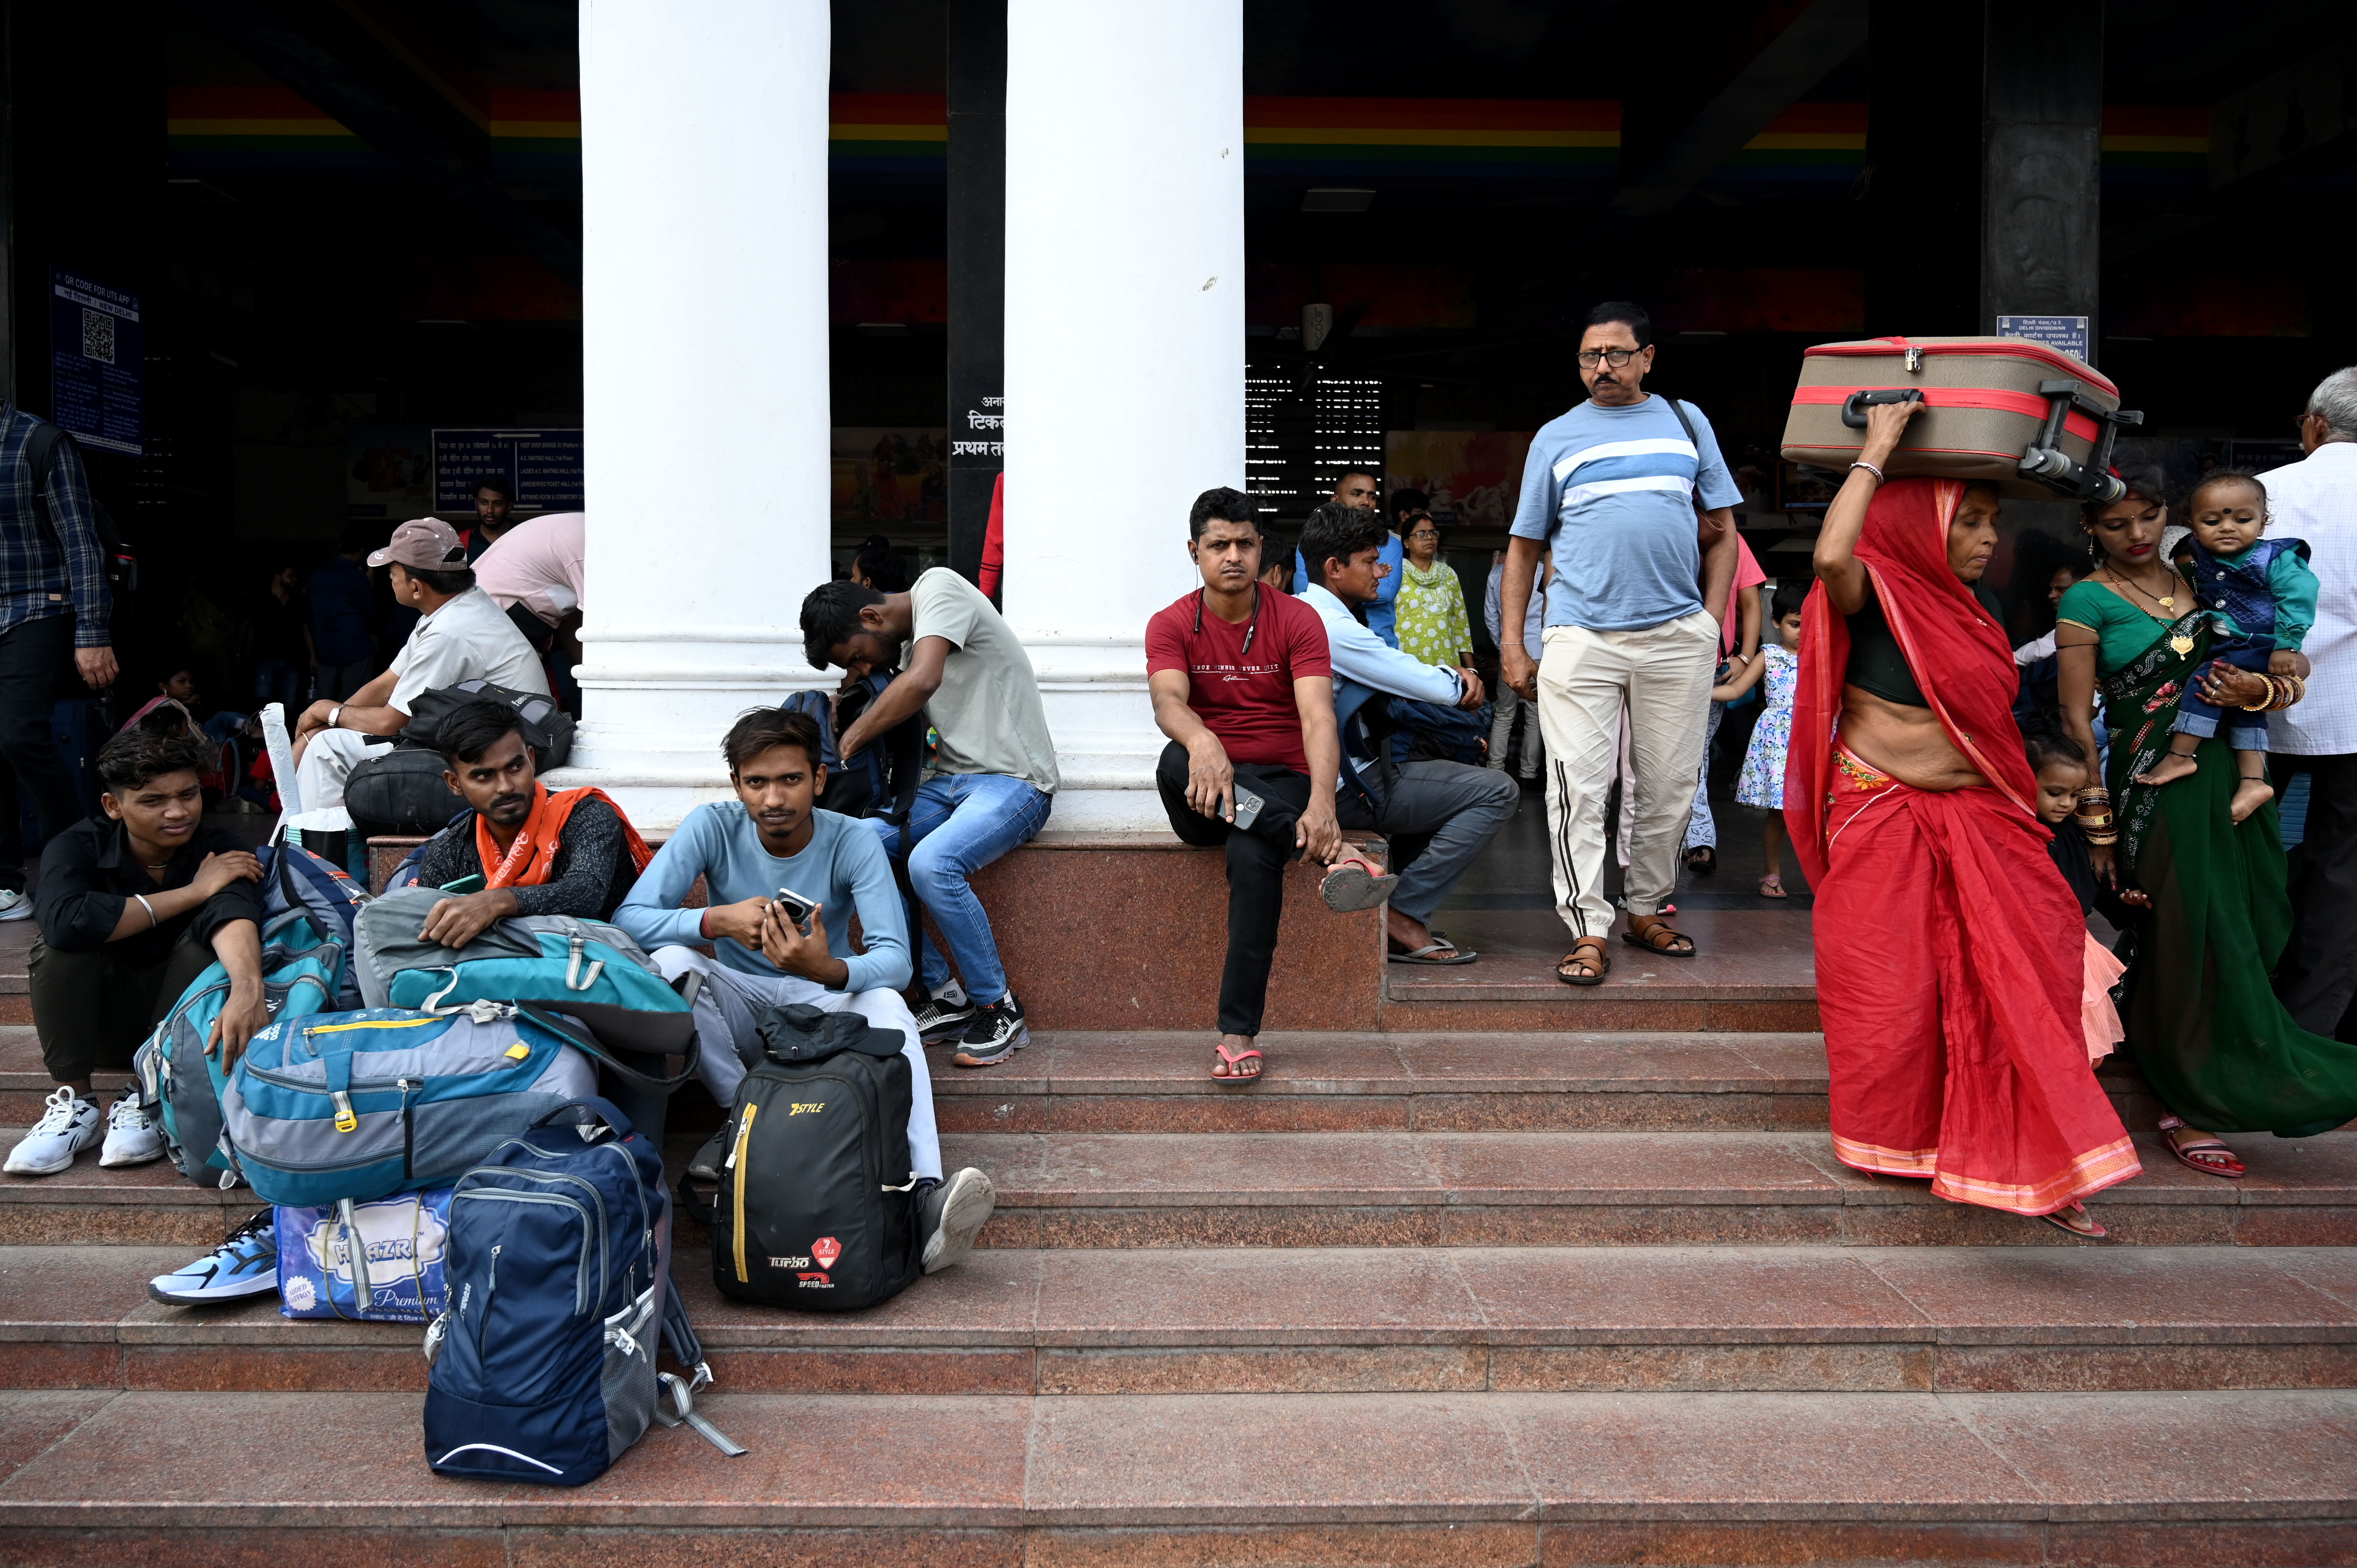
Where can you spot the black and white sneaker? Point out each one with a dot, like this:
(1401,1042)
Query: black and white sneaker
(951,1216)
(705,1164)
(996,1032)
(244,1265)
(943,1017)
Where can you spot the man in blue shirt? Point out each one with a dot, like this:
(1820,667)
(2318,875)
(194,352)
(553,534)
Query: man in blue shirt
(1458,806)
(771,839)
(344,624)
(1358,490)
(1631,495)
(54,608)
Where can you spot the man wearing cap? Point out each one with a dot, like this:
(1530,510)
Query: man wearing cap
(462,635)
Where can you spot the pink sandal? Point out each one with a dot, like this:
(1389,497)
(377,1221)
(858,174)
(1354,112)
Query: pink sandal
(1235,1059)
(2221,1162)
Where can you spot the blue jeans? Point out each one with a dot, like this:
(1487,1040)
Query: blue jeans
(276,680)
(960,824)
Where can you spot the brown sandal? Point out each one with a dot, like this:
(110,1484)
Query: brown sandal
(1589,951)
(1651,931)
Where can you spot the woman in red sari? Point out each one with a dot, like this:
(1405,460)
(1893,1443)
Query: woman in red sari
(1949,948)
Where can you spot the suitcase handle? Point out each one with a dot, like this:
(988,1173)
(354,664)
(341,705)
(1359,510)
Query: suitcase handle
(1854,408)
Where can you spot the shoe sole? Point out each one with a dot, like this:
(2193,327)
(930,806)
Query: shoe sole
(21,912)
(111,1163)
(65,1164)
(210,1298)
(1350,890)
(963,1213)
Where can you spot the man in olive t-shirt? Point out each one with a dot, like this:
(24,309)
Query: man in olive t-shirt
(989,787)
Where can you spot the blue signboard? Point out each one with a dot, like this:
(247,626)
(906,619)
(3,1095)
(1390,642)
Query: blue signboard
(2068,333)
(98,364)
(545,467)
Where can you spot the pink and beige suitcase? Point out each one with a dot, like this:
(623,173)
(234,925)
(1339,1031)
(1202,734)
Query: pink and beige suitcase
(1991,411)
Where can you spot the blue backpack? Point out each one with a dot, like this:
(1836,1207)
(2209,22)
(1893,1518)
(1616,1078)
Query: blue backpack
(881,781)
(357,1105)
(559,1273)
(303,973)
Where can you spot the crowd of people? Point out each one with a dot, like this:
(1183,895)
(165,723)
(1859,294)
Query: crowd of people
(1957,836)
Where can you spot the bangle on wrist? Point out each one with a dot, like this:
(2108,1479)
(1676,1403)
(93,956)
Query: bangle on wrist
(334,714)
(152,921)
(1879,476)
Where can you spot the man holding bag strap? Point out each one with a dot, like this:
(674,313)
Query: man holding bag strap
(1632,494)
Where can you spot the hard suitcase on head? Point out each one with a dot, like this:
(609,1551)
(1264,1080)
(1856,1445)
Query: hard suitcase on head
(2032,420)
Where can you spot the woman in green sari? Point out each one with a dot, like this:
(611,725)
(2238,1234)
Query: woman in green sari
(2202,1016)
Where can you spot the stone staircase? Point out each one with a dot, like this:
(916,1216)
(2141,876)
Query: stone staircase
(1462,1299)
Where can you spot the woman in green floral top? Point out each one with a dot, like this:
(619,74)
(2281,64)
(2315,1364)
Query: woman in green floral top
(1430,612)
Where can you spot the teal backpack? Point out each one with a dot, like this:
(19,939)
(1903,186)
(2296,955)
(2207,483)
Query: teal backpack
(556,969)
(302,972)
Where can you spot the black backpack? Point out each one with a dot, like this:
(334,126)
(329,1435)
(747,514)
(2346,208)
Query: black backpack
(881,781)
(546,727)
(817,1208)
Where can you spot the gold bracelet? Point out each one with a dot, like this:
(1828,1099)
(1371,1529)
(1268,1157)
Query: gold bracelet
(2102,838)
(2263,704)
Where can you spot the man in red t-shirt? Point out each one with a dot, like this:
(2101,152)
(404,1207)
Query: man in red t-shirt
(1243,687)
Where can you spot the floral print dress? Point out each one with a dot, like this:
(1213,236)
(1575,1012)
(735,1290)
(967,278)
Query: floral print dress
(1429,615)
(1762,780)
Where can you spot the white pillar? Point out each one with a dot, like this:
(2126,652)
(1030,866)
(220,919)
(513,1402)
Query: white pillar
(1124,355)
(704,187)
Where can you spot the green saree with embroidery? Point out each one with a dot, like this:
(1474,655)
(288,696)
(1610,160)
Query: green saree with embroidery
(2202,1016)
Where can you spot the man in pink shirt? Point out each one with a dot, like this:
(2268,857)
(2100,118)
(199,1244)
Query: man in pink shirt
(534,573)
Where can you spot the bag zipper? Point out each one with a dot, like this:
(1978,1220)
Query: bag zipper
(739,1161)
(408,1128)
(490,1285)
(596,1200)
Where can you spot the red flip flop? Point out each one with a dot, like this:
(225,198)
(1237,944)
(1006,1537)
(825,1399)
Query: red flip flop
(1232,1058)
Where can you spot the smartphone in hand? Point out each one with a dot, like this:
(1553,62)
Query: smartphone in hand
(470,883)
(797,909)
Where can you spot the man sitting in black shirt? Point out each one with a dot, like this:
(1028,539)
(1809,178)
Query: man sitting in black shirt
(133,907)
(568,853)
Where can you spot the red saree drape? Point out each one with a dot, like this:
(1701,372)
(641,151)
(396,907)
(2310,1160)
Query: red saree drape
(1949,949)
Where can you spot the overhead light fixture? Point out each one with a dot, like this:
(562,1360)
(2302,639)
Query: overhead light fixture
(1336,199)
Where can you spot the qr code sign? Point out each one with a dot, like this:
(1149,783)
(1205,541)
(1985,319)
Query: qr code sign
(98,337)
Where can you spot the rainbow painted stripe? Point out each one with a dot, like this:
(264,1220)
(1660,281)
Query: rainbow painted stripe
(1435,137)
(274,128)
(907,134)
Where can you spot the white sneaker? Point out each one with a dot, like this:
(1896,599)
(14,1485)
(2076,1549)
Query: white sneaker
(14,906)
(67,1127)
(131,1139)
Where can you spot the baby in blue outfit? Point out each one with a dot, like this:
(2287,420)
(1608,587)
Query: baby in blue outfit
(2260,597)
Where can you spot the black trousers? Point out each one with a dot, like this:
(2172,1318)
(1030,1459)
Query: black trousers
(91,1009)
(2317,977)
(31,657)
(1256,861)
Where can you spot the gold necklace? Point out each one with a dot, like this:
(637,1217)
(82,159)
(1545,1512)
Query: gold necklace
(2166,601)
(2180,642)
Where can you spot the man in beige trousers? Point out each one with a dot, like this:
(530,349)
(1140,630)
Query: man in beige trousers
(1630,493)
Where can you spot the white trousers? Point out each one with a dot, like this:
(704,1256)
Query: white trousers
(728,1009)
(1660,677)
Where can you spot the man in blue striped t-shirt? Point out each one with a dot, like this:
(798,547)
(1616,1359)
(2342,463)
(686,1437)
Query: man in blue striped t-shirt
(1631,493)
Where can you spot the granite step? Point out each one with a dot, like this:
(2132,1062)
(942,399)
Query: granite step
(1596,1188)
(2221,1479)
(1159,1081)
(1341,1320)
(1417,1190)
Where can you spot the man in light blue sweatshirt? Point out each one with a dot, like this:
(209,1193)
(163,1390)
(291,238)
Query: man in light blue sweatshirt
(771,839)
(1459,806)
